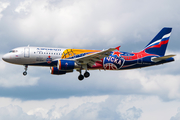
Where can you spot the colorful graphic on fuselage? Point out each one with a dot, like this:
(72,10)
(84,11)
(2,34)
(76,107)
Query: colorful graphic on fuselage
(114,61)
(75,53)
(49,59)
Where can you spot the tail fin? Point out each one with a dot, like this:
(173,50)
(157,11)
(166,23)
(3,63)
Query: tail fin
(159,43)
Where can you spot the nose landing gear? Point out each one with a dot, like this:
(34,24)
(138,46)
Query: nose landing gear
(25,72)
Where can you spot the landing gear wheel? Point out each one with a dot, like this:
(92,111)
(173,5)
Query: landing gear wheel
(81,77)
(86,74)
(25,73)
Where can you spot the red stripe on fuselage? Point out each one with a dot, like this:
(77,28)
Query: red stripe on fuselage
(138,55)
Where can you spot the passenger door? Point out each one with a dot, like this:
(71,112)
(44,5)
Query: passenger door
(26,52)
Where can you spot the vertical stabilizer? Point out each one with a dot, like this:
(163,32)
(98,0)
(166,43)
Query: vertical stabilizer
(159,43)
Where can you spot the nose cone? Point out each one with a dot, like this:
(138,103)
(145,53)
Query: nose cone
(4,57)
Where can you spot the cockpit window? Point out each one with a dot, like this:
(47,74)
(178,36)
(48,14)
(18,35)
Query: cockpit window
(13,51)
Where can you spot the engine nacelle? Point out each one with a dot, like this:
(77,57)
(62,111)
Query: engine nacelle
(65,65)
(55,71)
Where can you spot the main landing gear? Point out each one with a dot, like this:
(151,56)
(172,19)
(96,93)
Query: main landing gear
(25,72)
(86,74)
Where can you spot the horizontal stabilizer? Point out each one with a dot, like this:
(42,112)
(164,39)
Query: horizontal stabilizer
(162,58)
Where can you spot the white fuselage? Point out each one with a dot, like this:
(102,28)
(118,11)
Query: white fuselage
(32,55)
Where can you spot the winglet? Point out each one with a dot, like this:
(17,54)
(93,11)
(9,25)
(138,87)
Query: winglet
(117,48)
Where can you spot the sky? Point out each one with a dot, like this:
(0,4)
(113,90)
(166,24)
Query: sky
(140,94)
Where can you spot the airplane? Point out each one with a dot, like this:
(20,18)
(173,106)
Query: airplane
(65,60)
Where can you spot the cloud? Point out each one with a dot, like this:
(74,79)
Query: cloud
(39,112)
(133,113)
(90,23)
(23,7)
(3,5)
(157,83)
(122,107)
(177,116)
(50,109)
(14,112)
(13,80)
(90,110)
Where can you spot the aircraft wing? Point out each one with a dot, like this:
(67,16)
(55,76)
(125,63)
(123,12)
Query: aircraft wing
(92,58)
(162,58)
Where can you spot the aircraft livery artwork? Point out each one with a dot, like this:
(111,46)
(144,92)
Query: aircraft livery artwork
(113,62)
(62,60)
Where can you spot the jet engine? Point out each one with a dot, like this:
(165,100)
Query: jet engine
(65,65)
(55,71)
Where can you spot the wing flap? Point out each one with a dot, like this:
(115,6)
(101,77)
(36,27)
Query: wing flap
(162,58)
